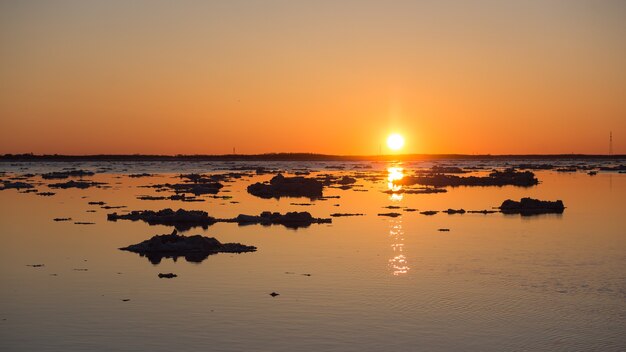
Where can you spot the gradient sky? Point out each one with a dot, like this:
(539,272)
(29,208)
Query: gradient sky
(336,77)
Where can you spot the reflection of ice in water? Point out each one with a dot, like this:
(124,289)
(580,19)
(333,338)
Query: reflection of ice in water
(398,263)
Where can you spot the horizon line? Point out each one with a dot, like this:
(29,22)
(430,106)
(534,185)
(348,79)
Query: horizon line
(287,156)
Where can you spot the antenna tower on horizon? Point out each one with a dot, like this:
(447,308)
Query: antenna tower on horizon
(611,143)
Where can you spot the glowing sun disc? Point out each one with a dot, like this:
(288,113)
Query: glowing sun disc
(395,141)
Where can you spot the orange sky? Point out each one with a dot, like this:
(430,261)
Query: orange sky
(335,77)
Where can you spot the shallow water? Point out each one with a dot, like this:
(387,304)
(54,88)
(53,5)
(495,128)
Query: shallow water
(492,283)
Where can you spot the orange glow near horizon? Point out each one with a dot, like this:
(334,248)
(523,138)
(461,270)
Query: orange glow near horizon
(148,77)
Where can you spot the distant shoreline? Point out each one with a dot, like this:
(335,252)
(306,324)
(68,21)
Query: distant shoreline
(300,157)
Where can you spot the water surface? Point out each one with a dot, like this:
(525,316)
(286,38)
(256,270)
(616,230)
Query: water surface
(492,283)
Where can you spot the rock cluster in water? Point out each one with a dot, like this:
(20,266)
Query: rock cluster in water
(186,219)
(193,248)
(75,184)
(392,214)
(15,185)
(436,169)
(496,178)
(144,174)
(530,206)
(291,219)
(454,211)
(281,186)
(423,190)
(619,168)
(198,187)
(181,219)
(65,174)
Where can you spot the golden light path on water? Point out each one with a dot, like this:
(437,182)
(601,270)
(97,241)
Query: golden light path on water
(398,263)
(395,174)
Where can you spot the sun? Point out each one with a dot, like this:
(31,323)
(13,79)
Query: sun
(395,141)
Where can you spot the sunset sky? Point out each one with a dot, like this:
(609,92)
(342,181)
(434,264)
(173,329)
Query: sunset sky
(334,77)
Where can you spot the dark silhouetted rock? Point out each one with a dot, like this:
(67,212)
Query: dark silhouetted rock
(96,203)
(181,219)
(32,190)
(151,197)
(346,180)
(193,248)
(62,219)
(65,174)
(281,186)
(291,220)
(530,206)
(429,212)
(274,294)
(221,197)
(425,190)
(454,211)
(75,184)
(167,275)
(139,175)
(342,187)
(197,185)
(15,185)
(447,170)
(343,182)
(182,197)
(496,178)
(483,211)
(443,230)
(46,194)
(186,219)
(336,215)
(194,177)
(393,215)
(535,166)
(196,188)
(613,168)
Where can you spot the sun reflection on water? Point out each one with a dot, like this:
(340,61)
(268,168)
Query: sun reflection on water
(395,174)
(398,264)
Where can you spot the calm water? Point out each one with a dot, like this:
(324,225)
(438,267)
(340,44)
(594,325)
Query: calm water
(492,283)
